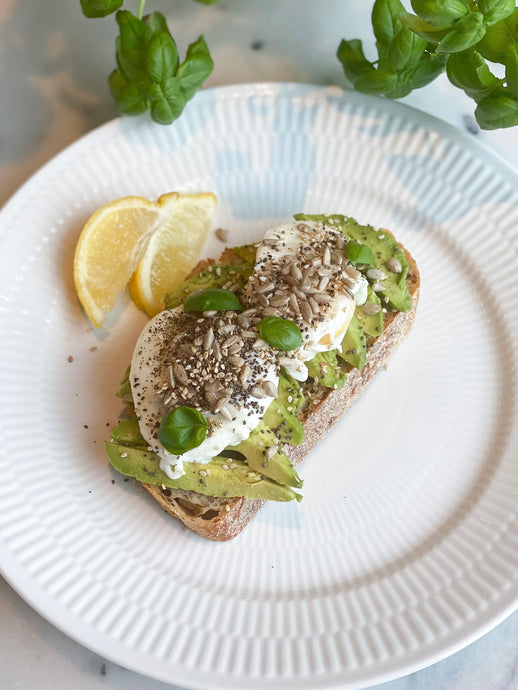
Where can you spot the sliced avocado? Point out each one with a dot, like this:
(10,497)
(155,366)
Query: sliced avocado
(255,449)
(354,344)
(280,416)
(211,479)
(325,368)
(384,248)
(246,252)
(124,392)
(217,276)
(127,433)
(372,323)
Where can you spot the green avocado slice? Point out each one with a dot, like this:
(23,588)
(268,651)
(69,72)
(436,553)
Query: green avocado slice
(255,450)
(213,479)
(217,276)
(384,248)
(324,368)
(354,344)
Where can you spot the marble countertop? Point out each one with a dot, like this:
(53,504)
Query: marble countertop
(54,65)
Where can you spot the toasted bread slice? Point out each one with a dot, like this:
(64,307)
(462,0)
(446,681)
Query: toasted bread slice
(221,519)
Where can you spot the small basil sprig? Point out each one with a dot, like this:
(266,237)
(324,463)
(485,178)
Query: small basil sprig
(280,333)
(358,253)
(149,75)
(182,429)
(456,35)
(213,299)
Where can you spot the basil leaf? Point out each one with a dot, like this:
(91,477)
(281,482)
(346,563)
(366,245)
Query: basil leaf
(385,20)
(440,14)
(376,82)
(212,299)
(427,69)
(280,333)
(468,31)
(99,8)
(195,69)
(358,253)
(498,38)
(127,96)
(497,110)
(131,47)
(406,49)
(511,69)
(182,429)
(354,62)
(175,96)
(161,56)
(496,10)
(469,71)
(422,28)
(156,22)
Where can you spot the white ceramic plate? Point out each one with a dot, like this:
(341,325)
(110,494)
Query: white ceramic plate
(405,546)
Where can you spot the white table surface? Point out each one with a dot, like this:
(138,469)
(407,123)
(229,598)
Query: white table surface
(54,65)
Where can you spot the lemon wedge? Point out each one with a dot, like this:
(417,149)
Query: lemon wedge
(172,252)
(110,247)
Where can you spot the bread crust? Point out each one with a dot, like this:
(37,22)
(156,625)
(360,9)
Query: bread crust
(221,519)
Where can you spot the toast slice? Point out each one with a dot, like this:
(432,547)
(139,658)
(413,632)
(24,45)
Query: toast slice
(221,519)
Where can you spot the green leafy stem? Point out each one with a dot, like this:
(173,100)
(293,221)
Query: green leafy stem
(149,75)
(458,36)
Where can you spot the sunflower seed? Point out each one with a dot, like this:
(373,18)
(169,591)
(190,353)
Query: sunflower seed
(279,300)
(298,293)
(302,227)
(376,274)
(337,258)
(317,261)
(210,314)
(257,392)
(217,351)
(222,401)
(340,242)
(314,305)
(267,287)
(180,373)
(324,271)
(394,265)
(171,376)
(321,298)
(231,341)
(324,282)
(294,303)
(371,308)
(285,361)
(245,374)
(352,272)
(221,234)
(271,311)
(260,344)
(306,312)
(248,334)
(262,300)
(198,341)
(226,413)
(378,287)
(208,339)
(271,452)
(326,258)
(270,389)
(248,313)
(236,361)
(296,272)
(234,349)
